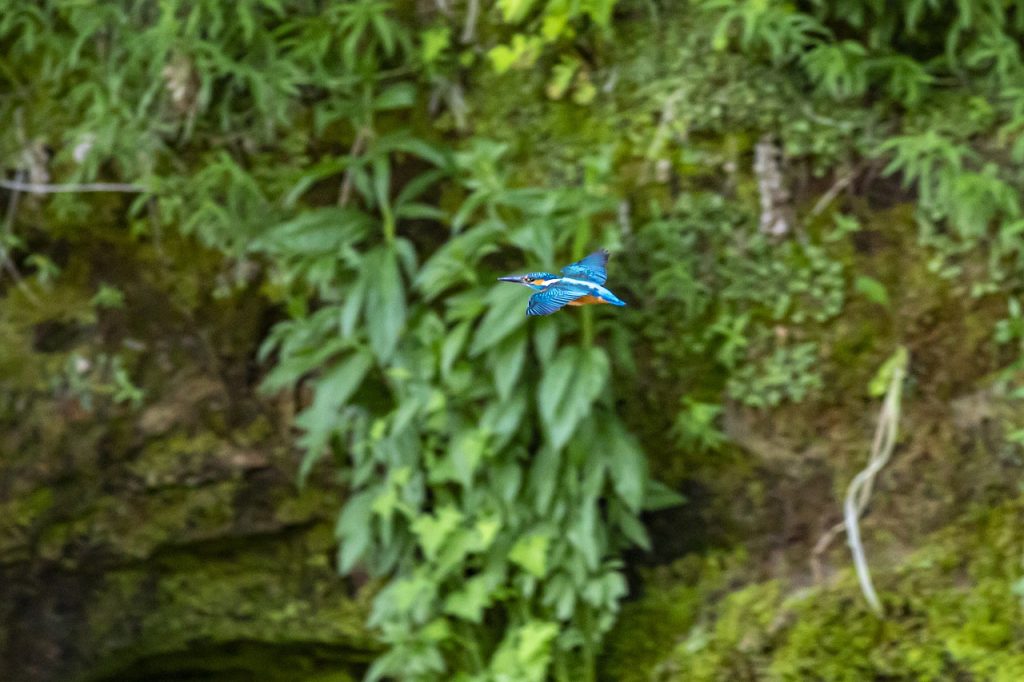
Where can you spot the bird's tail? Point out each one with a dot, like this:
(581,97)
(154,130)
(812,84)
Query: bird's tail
(615,300)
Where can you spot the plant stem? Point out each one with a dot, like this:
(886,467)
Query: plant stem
(358,146)
(37,188)
(589,654)
(5,256)
(579,246)
(587,327)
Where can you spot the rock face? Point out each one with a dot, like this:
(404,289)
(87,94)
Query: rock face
(192,554)
(165,539)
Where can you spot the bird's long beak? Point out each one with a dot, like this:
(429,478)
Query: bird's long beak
(511,278)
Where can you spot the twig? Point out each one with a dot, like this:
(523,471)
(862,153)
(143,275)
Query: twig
(625,224)
(42,188)
(820,547)
(358,145)
(469,30)
(824,120)
(8,264)
(859,492)
(833,191)
(12,205)
(665,120)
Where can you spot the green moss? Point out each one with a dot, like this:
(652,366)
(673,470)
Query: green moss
(210,598)
(18,516)
(178,457)
(298,507)
(244,661)
(134,526)
(952,610)
(650,626)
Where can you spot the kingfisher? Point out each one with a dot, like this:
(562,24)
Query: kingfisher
(581,283)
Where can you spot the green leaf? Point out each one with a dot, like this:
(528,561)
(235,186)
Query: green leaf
(521,53)
(505,314)
(453,344)
(502,419)
(570,385)
(412,595)
(627,465)
(545,339)
(385,302)
(872,289)
(525,653)
(402,141)
(433,530)
(599,10)
(584,536)
(531,553)
(469,602)
(555,385)
(544,477)
(435,41)
(293,367)
(660,496)
(354,529)
(108,297)
(320,419)
(465,455)
(486,530)
(560,593)
(696,427)
(585,91)
(897,362)
(353,305)
(396,96)
(318,231)
(514,11)
(561,77)
(631,528)
(506,362)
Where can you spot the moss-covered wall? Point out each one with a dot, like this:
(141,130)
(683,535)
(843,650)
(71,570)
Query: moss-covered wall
(167,539)
(952,611)
(149,522)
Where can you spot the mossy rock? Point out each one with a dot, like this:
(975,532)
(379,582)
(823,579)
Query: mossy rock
(952,611)
(231,610)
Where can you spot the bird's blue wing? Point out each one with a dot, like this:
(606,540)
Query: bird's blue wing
(555,297)
(590,268)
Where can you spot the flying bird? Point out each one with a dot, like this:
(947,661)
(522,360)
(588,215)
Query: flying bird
(581,283)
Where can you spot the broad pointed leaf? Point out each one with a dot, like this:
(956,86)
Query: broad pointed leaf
(354,529)
(570,385)
(506,313)
(321,418)
(385,302)
(506,362)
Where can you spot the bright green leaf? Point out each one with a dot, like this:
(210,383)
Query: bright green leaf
(531,553)
(872,289)
(433,530)
(469,601)
(514,11)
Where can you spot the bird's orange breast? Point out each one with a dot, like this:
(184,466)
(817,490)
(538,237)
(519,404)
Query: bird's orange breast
(587,300)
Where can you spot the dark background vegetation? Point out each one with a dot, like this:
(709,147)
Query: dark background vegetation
(265,413)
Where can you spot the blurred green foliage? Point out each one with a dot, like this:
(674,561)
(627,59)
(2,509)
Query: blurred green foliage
(370,166)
